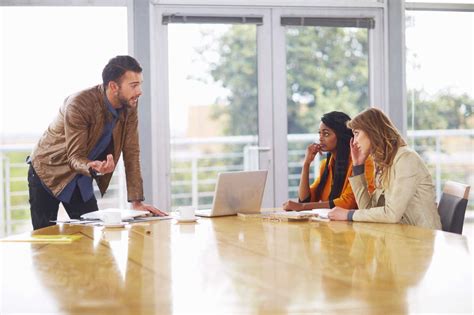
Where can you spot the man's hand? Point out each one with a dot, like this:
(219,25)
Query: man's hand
(103,167)
(292,206)
(338,214)
(138,205)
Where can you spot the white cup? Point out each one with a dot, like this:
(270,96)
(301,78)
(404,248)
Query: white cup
(186,213)
(110,218)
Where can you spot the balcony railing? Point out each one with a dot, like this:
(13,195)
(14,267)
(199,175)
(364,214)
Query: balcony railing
(196,162)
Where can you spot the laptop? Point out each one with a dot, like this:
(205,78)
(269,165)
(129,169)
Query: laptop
(237,192)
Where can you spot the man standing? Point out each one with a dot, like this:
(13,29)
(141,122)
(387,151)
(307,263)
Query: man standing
(84,142)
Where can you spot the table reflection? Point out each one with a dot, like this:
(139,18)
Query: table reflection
(235,265)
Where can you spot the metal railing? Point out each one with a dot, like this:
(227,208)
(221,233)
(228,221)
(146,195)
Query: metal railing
(196,162)
(15,214)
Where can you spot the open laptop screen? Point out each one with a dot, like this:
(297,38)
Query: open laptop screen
(238,192)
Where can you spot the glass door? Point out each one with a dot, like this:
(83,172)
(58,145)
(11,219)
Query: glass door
(245,89)
(325,60)
(327,70)
(213,106)
(213,67)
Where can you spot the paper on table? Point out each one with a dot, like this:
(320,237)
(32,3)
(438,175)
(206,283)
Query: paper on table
(100,223)
(322,213)
(291,215)
(42,238)
(77,222)
(149,218)
(126,214)
(65,221)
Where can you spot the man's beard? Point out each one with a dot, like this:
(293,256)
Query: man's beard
(125,102)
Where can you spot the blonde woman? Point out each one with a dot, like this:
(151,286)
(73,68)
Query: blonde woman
(404,191)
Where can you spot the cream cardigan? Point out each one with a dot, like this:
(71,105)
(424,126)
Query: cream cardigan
(407,198)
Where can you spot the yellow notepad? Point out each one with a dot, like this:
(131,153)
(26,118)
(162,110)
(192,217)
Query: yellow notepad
(37,238)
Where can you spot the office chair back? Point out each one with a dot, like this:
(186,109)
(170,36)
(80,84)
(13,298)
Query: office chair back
(452,206)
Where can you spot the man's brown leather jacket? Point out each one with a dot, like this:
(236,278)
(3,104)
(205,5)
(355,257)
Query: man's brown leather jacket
(62,151)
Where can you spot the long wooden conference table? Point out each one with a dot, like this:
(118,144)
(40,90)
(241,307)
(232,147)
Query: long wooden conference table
(234,265)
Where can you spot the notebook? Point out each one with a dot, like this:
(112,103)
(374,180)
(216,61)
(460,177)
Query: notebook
(126,214)
(320,214)
(237,192)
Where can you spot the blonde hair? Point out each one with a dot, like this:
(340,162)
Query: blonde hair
(384,138)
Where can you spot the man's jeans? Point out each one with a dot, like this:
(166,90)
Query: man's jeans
(44,206)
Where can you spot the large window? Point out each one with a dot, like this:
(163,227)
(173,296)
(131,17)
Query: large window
(213,106)
(440,92)
(247,88)
(327,70)
(48,53)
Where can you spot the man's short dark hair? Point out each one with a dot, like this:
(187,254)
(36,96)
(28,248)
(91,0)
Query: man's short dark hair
(117,66)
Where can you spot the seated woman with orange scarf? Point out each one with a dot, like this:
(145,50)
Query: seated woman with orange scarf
(332,187)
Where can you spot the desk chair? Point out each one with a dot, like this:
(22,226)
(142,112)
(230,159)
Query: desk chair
(452,206)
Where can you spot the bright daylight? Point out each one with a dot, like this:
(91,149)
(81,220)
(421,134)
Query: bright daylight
(181,157)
